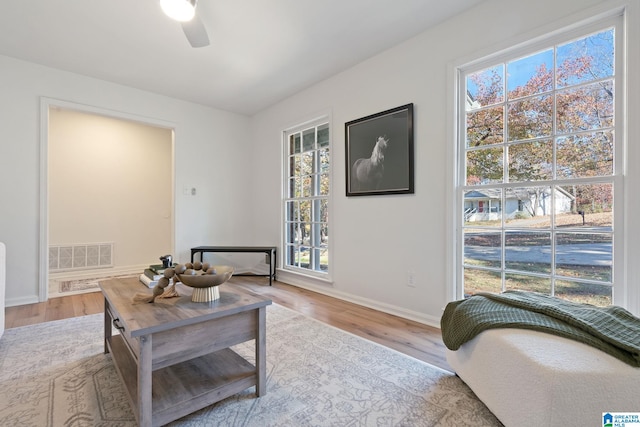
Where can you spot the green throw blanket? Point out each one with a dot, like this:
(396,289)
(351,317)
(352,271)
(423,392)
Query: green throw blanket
(611,329)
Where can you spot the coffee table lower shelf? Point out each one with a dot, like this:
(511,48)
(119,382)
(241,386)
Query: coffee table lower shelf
(185,387)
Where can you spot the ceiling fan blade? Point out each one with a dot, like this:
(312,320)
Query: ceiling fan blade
(196,32)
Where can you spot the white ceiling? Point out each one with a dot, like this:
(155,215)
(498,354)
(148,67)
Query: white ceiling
(261,51)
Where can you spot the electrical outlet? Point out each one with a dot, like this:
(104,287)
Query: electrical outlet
(411,279)
(193,191)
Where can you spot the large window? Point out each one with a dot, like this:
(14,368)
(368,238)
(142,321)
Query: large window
(540,169)
(306,204)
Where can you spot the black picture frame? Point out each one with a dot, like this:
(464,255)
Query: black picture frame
(367,172)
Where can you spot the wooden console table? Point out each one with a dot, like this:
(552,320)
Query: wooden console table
(269,250)
(173,355)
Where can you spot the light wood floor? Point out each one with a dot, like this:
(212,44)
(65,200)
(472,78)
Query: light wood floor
(412,338)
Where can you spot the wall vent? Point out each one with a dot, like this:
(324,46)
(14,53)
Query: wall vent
(80,257)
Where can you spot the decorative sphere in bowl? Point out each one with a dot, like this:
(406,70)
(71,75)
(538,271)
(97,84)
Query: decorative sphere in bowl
(205,285)
(202,279)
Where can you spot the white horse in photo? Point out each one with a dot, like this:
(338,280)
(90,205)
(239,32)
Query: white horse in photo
(366,174)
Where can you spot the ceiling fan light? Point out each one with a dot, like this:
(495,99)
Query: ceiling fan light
(180,10)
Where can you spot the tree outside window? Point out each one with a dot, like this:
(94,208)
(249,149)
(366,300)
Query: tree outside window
(539,141)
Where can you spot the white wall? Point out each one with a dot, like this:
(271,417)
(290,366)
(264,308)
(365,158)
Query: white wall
(110,180)
(377,240)
(211,150)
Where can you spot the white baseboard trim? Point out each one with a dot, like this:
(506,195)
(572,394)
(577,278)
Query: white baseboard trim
(326,288)
(12,302)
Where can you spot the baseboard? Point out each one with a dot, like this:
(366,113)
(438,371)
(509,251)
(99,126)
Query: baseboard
(326,288)
(12,302)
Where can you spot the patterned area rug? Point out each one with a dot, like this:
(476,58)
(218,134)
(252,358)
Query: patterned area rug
(55,374)
(84,284)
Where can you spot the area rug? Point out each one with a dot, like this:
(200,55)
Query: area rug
(84,284)
(55,374)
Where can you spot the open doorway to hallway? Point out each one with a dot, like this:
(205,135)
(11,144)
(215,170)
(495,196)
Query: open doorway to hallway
(110,198)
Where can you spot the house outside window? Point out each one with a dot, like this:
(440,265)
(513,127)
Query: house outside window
(539,171)
(307,198)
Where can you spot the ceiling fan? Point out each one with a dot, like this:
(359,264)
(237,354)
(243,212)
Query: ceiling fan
(184,11)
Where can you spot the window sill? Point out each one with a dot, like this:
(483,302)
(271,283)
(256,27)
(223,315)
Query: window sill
(299,278)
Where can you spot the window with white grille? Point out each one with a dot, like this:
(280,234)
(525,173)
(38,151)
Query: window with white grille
(307,198)
(539,171)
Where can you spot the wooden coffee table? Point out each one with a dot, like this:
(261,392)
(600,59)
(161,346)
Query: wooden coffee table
(173,355)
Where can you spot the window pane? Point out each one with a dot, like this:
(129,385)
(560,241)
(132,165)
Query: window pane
(528,283)
(289,253)
(476,280)
(483,207)
(485,127)
(295,144)
(528,207)
(293,166)
(294,187)
(585,108)
(305,210)
(304,257)
(308,140)
(305,231)
(306,165)
(324,160)
(590,293)
(584,256)
(290,236)
(485,87)
(530,75)
(322,255)
(307,186)
(324,184)
(485,166)
(586,59)
(531,161)
(295,237)
(483,248)
(594,201)
(530,118)
(323,136)
(324,210)
(299,258)
(292,211)
(528,251)
(584,155)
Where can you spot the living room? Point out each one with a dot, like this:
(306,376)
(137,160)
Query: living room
(235,160)
(375,240)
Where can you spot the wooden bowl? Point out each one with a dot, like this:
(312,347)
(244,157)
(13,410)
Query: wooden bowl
(203,280)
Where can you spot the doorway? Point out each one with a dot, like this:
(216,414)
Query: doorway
(108,192)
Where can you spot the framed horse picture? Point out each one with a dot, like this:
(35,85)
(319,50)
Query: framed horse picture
(379,153)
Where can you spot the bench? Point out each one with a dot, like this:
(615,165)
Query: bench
(270,251)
